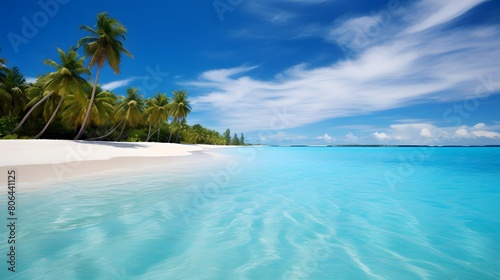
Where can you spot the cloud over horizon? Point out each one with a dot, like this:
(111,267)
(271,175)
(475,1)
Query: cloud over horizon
(411,62)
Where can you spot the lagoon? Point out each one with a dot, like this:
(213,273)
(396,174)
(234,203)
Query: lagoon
(272,213)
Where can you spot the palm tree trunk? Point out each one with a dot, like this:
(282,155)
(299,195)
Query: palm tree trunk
(171,130)
(178,132)
(30,111)
(100,137)
(121,132)
(89,108)
(149,132)
(51,118)
(159,131)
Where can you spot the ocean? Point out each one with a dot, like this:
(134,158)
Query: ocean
(271,213)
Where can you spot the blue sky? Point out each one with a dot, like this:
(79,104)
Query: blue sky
(295,71)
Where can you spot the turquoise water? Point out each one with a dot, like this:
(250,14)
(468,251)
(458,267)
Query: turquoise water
(273,213)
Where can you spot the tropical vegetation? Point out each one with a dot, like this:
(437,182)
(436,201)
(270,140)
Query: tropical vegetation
(66,104)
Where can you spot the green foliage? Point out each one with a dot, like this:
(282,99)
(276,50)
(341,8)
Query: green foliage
(12,92)
(227,136)
(104,43)
(137,135)
(179,108)
(235,141)
(14,137)
(10,137)
(131,110)
(57,130)
(6,125)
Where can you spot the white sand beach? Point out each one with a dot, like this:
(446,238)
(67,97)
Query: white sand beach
(61,160)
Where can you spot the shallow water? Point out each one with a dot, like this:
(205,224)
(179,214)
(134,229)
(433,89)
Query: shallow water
(273,213)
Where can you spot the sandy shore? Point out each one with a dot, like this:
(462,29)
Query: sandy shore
(36,161)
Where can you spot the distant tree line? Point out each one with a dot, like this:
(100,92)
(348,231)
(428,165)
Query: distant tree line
(235,140)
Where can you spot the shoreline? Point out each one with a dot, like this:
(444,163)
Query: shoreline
(48,162)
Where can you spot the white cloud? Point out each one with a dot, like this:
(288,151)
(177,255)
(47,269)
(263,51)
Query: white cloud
(401,70)
(480,125)
(462,133)
(487,134)
(429,134)
(326,138)
(381,136)
(351,137)
(117,84)
(425,132)
(410,132)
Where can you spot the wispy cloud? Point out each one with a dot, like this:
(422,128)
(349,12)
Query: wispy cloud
(117,84)
(268,11)
(399,71)
(351,137)
(438,12)
(279,11)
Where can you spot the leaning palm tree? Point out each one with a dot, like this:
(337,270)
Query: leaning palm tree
(130,109)
(179,108)
(64,81)
(157,112)
(103,44)
(35,92)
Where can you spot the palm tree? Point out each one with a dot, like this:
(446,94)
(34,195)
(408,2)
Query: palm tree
(5,98)
(179,108)
(130,109)
(35,92)
(103,44)
(12,92)
(197,134)
(157,112)
(181,126)
(3,62)
(101,113)
(64,81)
(3,67)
